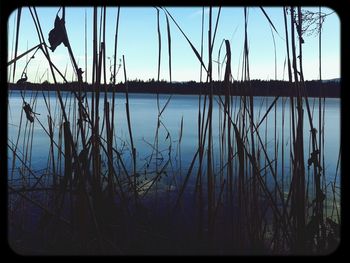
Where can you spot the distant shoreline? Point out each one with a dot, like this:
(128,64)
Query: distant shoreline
(329,89)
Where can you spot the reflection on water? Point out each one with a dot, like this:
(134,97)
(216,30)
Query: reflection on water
(144,112)
(160,175)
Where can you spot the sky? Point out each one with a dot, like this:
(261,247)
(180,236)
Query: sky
(138,42)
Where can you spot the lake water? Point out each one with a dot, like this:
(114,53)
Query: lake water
(143,113)
(172,163)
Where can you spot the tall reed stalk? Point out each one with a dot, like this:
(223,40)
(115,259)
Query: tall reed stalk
(241,200)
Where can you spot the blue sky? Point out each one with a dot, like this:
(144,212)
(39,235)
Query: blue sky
(138,42)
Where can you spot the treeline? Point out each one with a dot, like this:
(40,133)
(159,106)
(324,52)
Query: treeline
(237,88)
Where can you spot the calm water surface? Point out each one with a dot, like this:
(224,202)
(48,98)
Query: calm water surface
(143,111)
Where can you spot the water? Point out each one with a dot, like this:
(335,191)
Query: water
(143,115)
(143,111)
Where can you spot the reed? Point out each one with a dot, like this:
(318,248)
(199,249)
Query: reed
(230,197)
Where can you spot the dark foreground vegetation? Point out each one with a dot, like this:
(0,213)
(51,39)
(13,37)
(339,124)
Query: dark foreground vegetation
(95,197)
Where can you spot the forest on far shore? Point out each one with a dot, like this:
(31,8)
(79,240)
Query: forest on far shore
(312,88)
